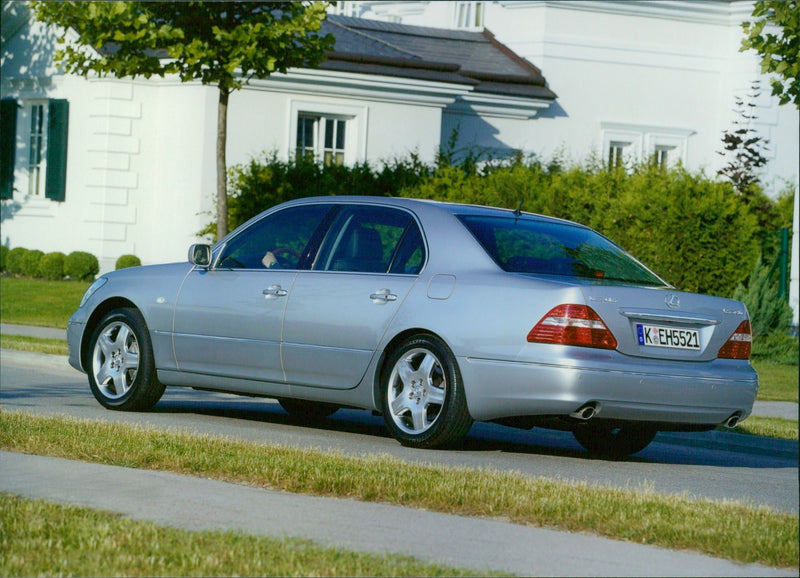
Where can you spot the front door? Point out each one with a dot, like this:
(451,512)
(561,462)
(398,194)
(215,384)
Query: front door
(228,319)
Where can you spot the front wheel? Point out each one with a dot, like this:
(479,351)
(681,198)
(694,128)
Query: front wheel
(121,367)
(424,404)
(614,442)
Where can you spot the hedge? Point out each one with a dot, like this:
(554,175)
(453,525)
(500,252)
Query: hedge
(692,230)
(125,261)
(81,266)
(14,260)
(51,266)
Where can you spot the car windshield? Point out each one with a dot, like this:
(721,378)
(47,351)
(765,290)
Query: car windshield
(521,245)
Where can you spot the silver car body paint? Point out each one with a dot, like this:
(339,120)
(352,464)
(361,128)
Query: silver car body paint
(323,335)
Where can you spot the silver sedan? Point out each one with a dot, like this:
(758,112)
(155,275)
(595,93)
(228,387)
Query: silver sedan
(434,315)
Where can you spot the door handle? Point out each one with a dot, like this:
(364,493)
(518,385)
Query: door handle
(383,296)
(274,291)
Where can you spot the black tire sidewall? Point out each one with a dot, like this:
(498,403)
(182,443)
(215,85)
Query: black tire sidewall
(454,420)
(145,387)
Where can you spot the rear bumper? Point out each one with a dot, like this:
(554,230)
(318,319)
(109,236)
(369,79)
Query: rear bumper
(621,389)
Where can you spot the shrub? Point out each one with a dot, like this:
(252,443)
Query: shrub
(126,261)
(3,254)
(81,266)
(30,263)
(769,313)
(777,347)
(692,231)
(14,260)
(51,266)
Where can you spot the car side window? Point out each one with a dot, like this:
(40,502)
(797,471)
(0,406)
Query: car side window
(282,240)
(372,240)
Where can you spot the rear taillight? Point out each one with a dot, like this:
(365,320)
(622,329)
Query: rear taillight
(573,325)
(739,344)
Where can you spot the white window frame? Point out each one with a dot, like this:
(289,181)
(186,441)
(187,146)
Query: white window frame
(32,172)
(355,137)
(469,14)
(325,141)
(642,142)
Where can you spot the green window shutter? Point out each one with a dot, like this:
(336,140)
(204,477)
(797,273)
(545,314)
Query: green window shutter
(57,131)
(8,138)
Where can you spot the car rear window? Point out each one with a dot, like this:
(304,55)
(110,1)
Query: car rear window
(524,245)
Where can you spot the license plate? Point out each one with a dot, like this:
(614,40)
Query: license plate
(657,336)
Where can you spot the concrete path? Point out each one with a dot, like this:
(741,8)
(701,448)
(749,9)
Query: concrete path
(477,544)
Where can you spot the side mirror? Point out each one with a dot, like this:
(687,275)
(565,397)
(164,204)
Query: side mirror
(200,255)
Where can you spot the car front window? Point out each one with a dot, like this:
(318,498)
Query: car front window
(521,245)
(282,240)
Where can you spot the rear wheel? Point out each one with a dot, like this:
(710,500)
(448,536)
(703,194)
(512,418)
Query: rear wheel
(424,404)
(614,442)
(121,367)
(311,410)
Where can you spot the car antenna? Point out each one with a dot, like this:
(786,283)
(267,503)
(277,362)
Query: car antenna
(518,211)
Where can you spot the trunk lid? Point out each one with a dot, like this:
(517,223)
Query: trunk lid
(661,323)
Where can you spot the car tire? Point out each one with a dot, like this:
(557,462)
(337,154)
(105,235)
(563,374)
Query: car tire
(422,394)
(308,410)
(121,366)
(614,442)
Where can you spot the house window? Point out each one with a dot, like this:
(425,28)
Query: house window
(469,14)
(662,156)
(321,138)
(38,130)
(36,149)
(616,153)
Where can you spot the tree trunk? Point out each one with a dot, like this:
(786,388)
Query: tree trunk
(222,168)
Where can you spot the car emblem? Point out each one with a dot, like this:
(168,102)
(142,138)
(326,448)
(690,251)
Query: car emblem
(672,301)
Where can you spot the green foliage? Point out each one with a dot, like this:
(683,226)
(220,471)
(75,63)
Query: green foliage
(223,44)
(51,267)
(779,48)
(769,313)
(261,184)
(777,347)
(30,263)
(81,266)
(15,260)
(692,231)
(218,43)
(3,255)
(125,261)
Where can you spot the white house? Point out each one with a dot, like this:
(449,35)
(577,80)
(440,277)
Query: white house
(617,79)
(128,166)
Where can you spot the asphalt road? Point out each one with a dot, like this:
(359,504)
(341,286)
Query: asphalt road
(709,465)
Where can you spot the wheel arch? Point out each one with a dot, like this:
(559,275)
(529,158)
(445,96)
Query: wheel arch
(94,319)
(390,346)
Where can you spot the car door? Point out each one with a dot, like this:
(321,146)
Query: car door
(340,309)
(228,318)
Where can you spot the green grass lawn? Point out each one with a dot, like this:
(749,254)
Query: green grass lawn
(732,530)
(40,303)
(44,539)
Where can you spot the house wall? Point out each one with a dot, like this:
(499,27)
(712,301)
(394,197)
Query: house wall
(649,72)
(141,174)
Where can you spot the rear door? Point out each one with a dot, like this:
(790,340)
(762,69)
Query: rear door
(339,310)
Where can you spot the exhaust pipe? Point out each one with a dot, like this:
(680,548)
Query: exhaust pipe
(585,413)
(733,421)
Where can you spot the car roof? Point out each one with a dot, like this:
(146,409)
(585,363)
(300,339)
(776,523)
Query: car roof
(447,206)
